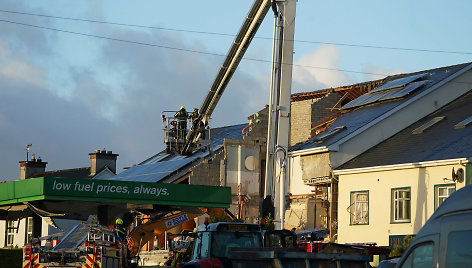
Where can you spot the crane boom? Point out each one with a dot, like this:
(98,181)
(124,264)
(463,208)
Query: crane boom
(279,106)
(240,44)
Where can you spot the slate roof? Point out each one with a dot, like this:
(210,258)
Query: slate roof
(356,117)
(165,166)
(79,173)
(439,142)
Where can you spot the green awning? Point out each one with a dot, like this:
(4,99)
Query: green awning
(89,190)
(77,198)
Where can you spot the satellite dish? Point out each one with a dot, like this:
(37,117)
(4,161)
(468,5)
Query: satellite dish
(251,163)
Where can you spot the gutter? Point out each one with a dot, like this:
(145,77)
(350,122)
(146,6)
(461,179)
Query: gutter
(457,161)
(316,150)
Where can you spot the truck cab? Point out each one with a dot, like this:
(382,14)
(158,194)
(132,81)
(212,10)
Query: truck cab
(444,240)
(214,241)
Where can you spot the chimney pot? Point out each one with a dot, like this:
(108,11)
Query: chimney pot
(100,159)
(29,168)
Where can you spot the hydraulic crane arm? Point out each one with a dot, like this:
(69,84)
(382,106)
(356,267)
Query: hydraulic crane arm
(249,28)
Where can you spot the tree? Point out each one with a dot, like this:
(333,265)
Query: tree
(400,248)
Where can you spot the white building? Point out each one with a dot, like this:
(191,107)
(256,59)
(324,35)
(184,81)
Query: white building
(19,231)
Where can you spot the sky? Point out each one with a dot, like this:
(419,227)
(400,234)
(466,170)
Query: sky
(70,86)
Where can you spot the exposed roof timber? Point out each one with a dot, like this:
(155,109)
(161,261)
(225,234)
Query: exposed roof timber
(355,91)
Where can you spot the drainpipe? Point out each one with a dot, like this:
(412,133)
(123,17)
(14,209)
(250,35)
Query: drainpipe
(314,220)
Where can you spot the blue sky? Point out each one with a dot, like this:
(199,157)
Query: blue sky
(69,94)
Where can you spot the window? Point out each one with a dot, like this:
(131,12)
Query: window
(359,208)
(29,230)
(421,256)
(11,227)
(222,242)
(442,192)
(201,245)
(401,199)
(458,252)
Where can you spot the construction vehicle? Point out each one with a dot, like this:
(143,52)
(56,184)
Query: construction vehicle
(279,105)
(229,244)
(277,145)
(90,244)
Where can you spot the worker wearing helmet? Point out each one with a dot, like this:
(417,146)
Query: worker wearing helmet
(195,116)
(119,229)
(182,117)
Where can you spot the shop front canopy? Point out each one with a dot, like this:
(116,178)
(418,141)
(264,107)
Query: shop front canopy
(78,198)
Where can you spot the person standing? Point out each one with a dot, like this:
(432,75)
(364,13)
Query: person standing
(182,117)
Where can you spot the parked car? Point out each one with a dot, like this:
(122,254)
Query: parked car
(444,240)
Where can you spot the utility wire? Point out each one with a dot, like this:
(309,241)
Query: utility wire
(232,35)
(194,51)
(180,49)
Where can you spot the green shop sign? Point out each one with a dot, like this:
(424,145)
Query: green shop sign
(114,191)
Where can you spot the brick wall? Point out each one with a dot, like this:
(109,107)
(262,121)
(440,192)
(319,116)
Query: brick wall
(320,108)
(307,114)
(300,121)
(208,171)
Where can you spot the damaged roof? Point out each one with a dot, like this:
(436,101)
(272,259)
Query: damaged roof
(170,167)
(394,91)
(435,137)
(349,93)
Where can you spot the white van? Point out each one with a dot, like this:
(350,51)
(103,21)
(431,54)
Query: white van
(446,238)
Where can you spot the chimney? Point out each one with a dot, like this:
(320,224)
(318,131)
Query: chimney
(100,159)
(29,168)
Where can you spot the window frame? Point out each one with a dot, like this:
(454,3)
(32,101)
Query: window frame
(436,192)
(393,208)
(29,232)
(10,232)
(353,207)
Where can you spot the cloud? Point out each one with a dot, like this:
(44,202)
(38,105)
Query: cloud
(18,70)
(374,72)
(326,57)
(114,102)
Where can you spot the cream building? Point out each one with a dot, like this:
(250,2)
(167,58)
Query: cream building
(391,190)
(378,204)
(400,102)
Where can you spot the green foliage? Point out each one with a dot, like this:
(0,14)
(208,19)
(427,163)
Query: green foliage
(399,249)
(268,223)
(11,258)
